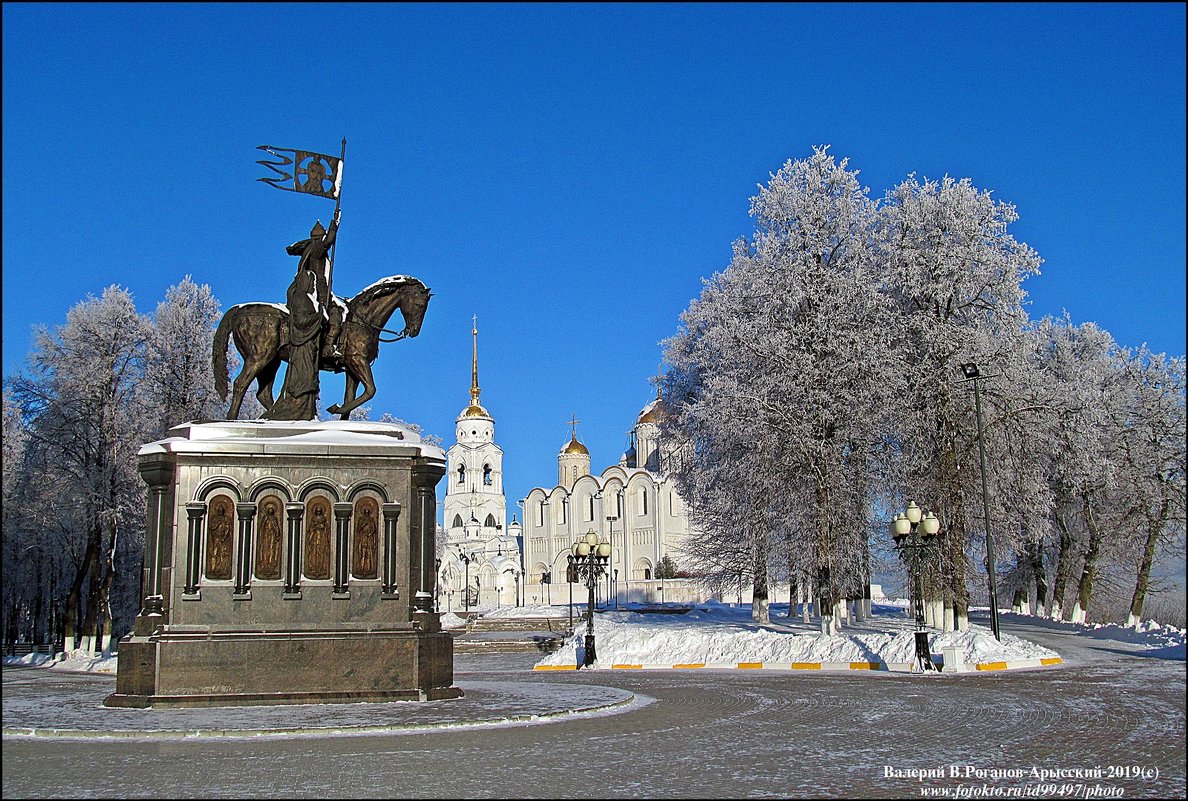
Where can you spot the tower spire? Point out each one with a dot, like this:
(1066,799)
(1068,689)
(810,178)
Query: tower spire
(474,385)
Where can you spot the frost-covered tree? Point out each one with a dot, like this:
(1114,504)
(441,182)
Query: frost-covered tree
(952,274)
(178,384)
(1151,476)
(779,376)
(1081,453)
(84,430)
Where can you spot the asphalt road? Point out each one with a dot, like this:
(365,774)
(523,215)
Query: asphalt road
(1111,719)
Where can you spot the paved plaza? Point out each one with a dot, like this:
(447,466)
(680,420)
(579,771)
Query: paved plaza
(1111,719)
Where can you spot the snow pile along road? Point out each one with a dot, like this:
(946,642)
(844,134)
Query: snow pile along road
(709,636)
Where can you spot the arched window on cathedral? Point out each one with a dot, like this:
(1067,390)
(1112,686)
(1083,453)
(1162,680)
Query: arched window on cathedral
(487,475)
(457,521)
(643,501)
(590,509)
(490,521)
(461,474)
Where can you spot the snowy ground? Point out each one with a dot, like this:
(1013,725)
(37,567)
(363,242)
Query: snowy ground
(717,633)
(78,661)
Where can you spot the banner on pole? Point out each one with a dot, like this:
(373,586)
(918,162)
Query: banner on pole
(303,171)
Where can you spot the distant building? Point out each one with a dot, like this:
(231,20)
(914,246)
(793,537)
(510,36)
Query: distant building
(632,503)
(481,558)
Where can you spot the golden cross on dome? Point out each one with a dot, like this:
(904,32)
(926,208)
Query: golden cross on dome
(573,425)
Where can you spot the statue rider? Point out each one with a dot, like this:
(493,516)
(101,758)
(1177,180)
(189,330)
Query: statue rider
(312,313)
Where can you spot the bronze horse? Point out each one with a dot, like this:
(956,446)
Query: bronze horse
(259,331)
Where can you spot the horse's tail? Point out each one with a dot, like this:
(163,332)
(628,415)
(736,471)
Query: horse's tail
(218,353)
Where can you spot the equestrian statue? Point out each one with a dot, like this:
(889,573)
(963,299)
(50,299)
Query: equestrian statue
(315,331)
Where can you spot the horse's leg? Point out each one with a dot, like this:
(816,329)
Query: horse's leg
(264,382)
(352,386)
(359,370)
(242,381)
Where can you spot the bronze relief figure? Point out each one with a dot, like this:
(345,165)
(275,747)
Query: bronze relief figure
(268,539)
(365,554)
(317,539)
(219,538)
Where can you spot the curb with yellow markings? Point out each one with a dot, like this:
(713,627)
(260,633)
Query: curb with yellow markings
(905,667)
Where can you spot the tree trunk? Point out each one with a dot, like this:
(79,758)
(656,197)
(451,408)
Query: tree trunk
(70,624)
(91,618)
(104,600)
(1035,555)
(1154,529)
(759,590)
(1089,572)
(1063,566)
(1020,599)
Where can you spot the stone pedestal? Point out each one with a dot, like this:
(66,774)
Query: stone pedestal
(287,562)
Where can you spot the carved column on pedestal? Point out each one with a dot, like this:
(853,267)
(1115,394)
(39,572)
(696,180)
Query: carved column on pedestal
(422,531)
(391,518)
(293,550)
(196,512)
(342,554)
(243,565)
(157,472)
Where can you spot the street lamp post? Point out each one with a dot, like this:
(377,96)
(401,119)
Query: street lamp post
(972,373)
(516,576)
(437,598)
(590,558)
(914,547)
(465,557)
(569,581)
(610,525)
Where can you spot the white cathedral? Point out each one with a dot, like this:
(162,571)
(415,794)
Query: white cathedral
(481,564)
(632,504)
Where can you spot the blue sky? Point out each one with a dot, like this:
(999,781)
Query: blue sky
(569,173)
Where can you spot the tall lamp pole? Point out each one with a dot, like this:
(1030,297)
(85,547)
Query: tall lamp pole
(569,580)
(610,523)
(972,374)
(465,557)
(590,559)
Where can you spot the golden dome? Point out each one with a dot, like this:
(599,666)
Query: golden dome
(474,410)
(573,446)
(653,412)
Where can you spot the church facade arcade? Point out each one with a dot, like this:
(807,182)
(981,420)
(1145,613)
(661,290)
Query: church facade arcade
(632,504)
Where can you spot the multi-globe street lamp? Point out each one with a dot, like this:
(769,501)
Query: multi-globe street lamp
(589,559)
(916,536)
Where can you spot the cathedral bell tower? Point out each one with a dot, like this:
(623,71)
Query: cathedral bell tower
(475,506)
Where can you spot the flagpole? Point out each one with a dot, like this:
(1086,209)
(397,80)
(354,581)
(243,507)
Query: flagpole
(337,206)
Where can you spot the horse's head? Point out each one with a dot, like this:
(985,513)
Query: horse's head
(376,303)
(413,304)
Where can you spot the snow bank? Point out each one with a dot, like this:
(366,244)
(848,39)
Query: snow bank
(1168,640)
(451,621)
(76,660)
(536,610)
(717,634)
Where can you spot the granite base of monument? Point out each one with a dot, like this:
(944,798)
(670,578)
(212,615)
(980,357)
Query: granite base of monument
(287,562)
